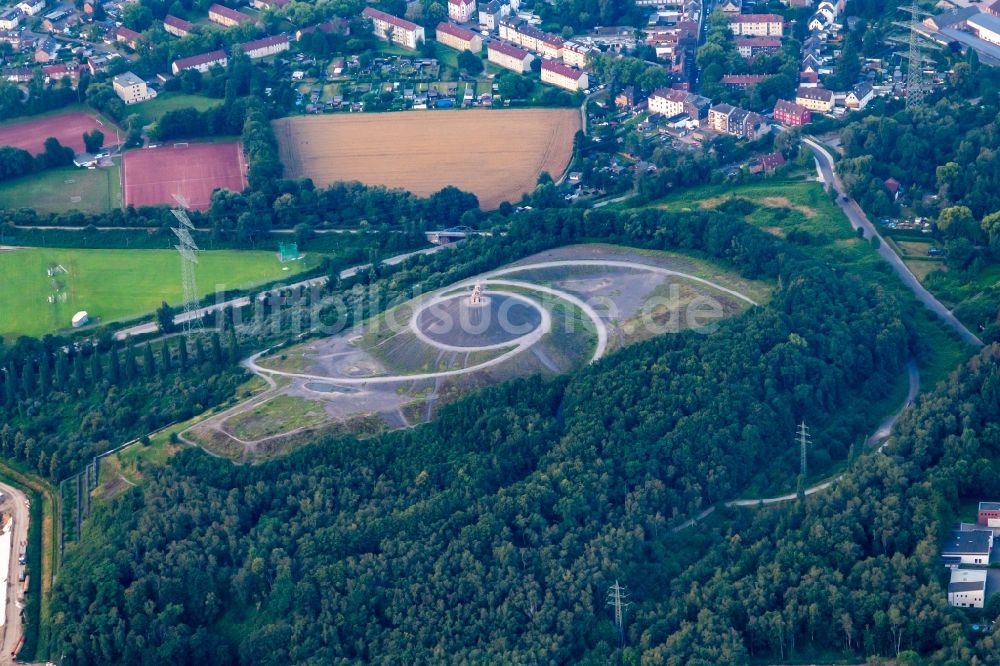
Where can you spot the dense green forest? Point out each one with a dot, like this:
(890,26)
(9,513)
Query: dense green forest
(62,404)
(493,532)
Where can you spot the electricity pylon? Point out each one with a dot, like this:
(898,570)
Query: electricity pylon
(803,446)
(915,88)
(188,251)
(618,598)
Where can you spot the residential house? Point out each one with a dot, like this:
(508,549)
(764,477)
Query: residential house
(819,23)
(671,102)
(461,11)
(808,78)
(751,47)
(509,56)
(747,124)
(490,14)
(523,34)
(131,89)
(560,74)
(734,121)
(177,27)
(227,17)
(393,29)
(967,588)
(969,547)
(458,38)
(335,26)
(31,7)
(127,37)
(626,98)
(757,25)
(858,97)
(10,18)
(201,62)
(46,50)
(18,74)
(97,64)
(667,102)
(815,99)
(575,54)
(718,117)
(731,7)
(61,71)
(265,47)
(766,163)
(741,81)
(268,4)
(893,187)
(790,113)
(989,512)
(18,40)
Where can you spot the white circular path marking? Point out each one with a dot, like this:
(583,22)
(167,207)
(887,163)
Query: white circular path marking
(519,344)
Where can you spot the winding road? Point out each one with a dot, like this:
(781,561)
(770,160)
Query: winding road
(858,219)
(881,434)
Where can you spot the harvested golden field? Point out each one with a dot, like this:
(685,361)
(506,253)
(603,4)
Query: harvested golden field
(495,154)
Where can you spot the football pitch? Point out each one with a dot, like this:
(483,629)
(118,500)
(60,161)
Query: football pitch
(60,190)
(116,284)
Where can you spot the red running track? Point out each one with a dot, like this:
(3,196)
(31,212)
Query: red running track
(153,176)
(30,135)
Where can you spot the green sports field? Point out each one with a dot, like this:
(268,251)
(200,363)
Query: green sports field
(60,190)
(154,109)
(116,284)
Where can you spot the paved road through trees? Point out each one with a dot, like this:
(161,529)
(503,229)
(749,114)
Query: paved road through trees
(859,220)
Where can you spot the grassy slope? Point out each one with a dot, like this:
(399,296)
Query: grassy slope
(53,191)
(787,205)
(117,284)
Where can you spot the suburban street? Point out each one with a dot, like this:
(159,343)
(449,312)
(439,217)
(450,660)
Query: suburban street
(13,502)
(858,219)
(151,326)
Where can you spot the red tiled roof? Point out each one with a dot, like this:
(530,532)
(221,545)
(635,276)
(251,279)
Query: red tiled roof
(372,13)
(742,79)
(200,59)
(125,33)
(231,14)
(508,50)
(263,43)
(772,161)
(562,69)
(178,23)
(819,94)
(758,18)
(455,31)
(672,94)
(764,42)
(785,106)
